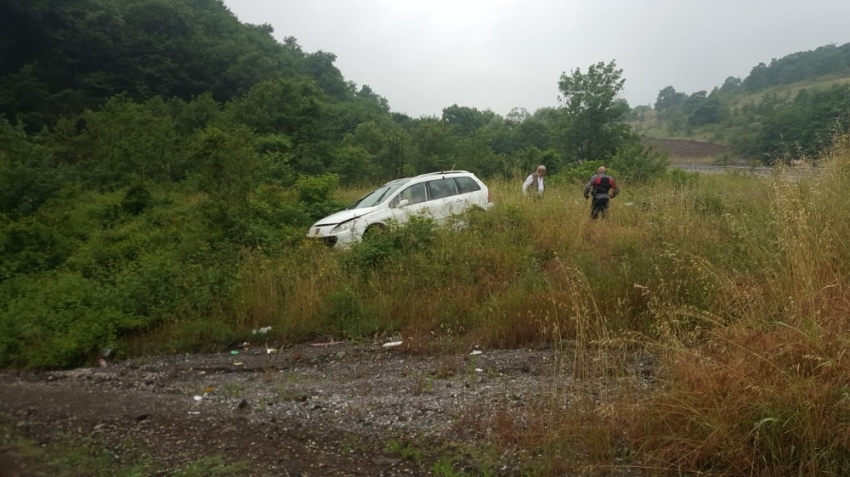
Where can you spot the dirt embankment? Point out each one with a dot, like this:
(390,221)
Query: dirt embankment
(685,149)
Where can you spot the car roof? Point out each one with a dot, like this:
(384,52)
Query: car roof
(429,175)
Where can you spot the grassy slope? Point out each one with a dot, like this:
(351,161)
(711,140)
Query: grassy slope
(728,281)
(717,134)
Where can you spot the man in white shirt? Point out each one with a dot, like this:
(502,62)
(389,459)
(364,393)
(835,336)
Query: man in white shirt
(535,182)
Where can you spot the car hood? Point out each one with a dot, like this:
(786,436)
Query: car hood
(345,216)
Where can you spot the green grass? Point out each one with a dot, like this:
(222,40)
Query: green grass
(733,283)
(89,457)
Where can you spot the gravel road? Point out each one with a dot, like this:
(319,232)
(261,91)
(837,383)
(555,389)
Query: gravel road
(339,409)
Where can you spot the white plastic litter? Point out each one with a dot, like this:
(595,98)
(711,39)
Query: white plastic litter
(199,398)
(476,351)
(393,344)
(479,370)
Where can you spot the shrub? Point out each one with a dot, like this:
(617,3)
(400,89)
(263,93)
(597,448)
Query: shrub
(383,244)
(638,163)
(136,200)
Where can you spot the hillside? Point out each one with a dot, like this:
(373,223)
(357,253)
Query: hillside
(650,126)
(765,116)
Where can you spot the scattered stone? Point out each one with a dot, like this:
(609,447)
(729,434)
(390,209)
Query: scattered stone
(385,461)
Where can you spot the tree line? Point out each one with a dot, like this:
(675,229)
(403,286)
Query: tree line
(775,125)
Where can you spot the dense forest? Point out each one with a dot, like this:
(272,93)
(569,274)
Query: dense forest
(761,116)
(150,148)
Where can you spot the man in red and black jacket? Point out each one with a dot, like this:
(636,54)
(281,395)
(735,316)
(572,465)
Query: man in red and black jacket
(603,188)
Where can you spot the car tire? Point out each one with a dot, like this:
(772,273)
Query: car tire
(373,231)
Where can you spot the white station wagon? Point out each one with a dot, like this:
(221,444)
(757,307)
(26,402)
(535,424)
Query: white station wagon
(438,195)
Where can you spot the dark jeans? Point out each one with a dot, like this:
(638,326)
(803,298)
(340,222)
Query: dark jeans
(599,206)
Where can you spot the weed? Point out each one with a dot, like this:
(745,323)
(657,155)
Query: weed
(406,451)
(232,390)
(212,466)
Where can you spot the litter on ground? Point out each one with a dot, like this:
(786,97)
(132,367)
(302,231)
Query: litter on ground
(325,345)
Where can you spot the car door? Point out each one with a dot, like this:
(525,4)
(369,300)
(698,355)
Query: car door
(469,194)
(442,195)
(416,196)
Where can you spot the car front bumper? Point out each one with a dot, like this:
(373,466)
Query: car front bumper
(341,239)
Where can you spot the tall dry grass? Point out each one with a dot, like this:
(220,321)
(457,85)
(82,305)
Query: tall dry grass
(702,326)
(762,390)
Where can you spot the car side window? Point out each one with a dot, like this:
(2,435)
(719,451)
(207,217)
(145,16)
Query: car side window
(466,185)
(441,188)
(413,194)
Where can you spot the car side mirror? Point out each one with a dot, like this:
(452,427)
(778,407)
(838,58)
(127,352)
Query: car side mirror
(403,203)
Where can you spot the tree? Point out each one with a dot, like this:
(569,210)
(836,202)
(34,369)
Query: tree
(731,85)
(436,145)
(711,111)
(465,119)
(294,107)
(27,178)
(669,99)
(592,128)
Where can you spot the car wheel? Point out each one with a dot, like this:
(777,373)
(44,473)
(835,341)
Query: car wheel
(373,231)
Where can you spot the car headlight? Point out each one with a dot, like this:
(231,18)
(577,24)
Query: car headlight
(343,227)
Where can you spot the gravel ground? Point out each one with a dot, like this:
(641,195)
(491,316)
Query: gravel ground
(340,409)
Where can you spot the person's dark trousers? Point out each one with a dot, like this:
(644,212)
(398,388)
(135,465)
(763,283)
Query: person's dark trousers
(599,206)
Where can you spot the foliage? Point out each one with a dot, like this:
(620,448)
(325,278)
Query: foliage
(179,223)
(789,109)
(799,66)
(27,178)
(395,241)
(144,48)
(593,130)
(637,163)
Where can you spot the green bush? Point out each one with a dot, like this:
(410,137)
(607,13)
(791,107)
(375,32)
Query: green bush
(637,163)
(680,178)
(382,244)
(57,320)
(136,200)
(351,316)
(27,176)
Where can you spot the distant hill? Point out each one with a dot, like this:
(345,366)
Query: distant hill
(765,116)
(60,57)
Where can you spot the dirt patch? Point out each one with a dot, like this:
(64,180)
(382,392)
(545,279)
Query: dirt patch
(338,410)
(682,149)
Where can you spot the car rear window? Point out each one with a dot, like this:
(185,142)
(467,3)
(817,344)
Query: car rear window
(441,188)
(466,185)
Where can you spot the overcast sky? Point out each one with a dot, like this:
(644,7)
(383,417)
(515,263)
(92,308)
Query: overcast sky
(424,55)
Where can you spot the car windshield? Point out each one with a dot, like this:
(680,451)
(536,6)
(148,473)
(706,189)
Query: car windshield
(376,197)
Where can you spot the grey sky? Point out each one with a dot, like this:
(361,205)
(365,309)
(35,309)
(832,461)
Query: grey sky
(424,55)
